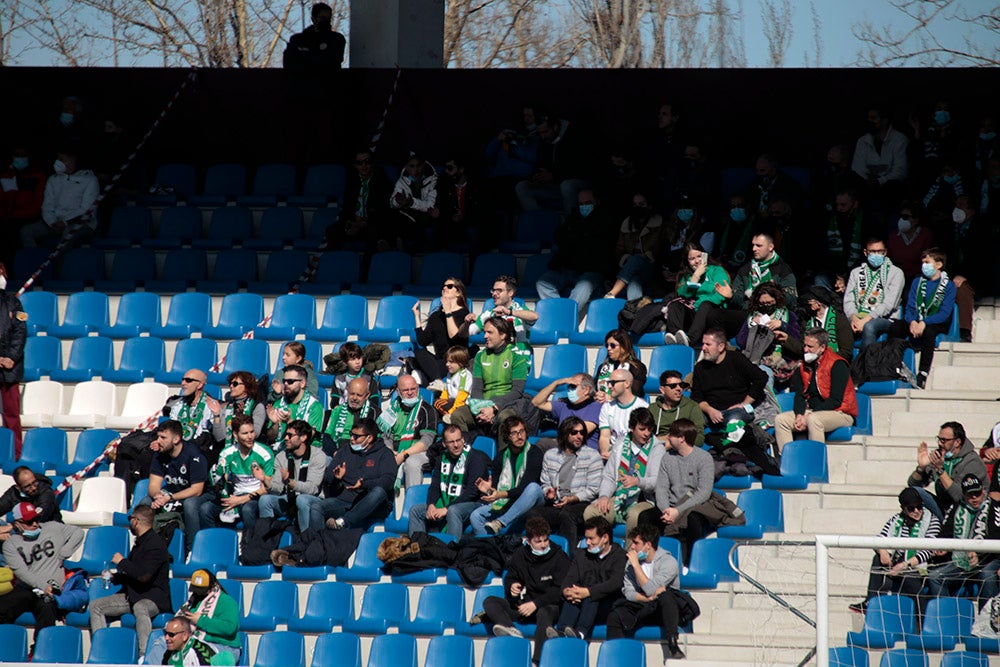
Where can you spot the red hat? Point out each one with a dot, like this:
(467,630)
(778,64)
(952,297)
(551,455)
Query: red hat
(25,512)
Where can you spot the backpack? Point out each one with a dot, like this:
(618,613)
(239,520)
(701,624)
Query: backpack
(878,362)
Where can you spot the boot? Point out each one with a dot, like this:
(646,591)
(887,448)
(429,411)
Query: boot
(673,649)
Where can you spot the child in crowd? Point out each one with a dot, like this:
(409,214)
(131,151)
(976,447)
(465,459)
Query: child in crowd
(457,386)
(353,358)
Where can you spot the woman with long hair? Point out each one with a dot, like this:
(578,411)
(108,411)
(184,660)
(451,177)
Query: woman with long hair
(442,331)
(701,283)
(622,355)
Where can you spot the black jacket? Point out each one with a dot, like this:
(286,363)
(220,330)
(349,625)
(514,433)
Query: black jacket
(375,467)
(145,574)
(476,466)
(532,471)
(542,576)
(13,333)
(601,576)
(44,500)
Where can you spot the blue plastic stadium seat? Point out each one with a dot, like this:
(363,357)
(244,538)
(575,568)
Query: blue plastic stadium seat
(314,355)
(88,357)
(179,225)
(138,313)
(533,270)
(200,353)
(130,225)
(668,357)
(7,461)
(559,361)
(393,651)
(710,564)
(981,644)
(179,178)
(848,656)
(414,496)
(862,424)
(240,314)
(223,183)
(280,649)
(178,590)
(336,270)
(280,226)
(602,317)
(114,646)
(344,315)
(142,358)
(486,269)
(292,314)
(946,621)
(387,271)
(140,491)
(393,320)
(234,268)
(229,226)
(803,462)
(440,606)
(100,544)
(188,313)
(507,652)
(450,651)
(316,235)
(130,268)
(42,357)
(59,643)
(214,549)
(244,355)
(964,659)
(27,261)
(486,445)
(435,269)
(324,184)
(13,643)
(79,267)
(887,619)
(182,269)
(313,573)
(89,444)
(283,268)
(557,318)
(764,510)
(328,604)
(86,312)
(621,653)
(42,309)
(273,602)
(95,591)
(564,652)
(953,335)
(263,572)
(337,649)
(903,657)
(271,183)
(533,231)
(479,629)
(366,567)
(384,606)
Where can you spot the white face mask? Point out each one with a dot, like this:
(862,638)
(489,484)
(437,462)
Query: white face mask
(810,357)
(958,216)
(3,281)
(59,167)
(904,225)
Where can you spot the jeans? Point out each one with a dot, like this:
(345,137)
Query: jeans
(271,506)
(930,502)
(949,578)
(454,520)
(583,285)
(991,586)
(362,512)
(115,606)
(636,271)
(210,512)
(874,328)
(511,512)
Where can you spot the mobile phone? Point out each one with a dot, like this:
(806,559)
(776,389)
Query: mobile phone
(704,258)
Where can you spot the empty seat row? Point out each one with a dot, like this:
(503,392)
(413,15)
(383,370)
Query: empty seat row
(48,449)
(946,622)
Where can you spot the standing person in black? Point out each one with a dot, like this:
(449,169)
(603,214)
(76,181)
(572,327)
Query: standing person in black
(319,45)
(442,330)
(144,577)
(13,334)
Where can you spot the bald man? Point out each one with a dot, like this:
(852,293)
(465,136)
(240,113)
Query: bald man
(194,408)
(359,404)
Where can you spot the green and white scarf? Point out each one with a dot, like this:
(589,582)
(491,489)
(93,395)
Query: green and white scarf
(760,272)
(511,472)
(870,288)
(342,420)
(928,306)
(298,410)
(918,529)
(835,242)
(192,416)
(965,520)
(452,477)
(624,498)
(829,324)
(230,412)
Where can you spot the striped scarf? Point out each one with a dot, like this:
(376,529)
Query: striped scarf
(625,498)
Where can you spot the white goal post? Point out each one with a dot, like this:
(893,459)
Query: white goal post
(826,542)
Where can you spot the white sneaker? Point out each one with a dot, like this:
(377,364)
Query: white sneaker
(229,516)
(669,339)
(682,338)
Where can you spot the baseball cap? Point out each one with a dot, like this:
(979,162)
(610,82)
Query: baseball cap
(971,485)
(200,579)
(25,512)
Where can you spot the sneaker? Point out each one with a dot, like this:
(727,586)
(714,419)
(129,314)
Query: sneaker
(552,633)
(494,527)
(570,631)
(229,516)
(682,338)
(921,379)
(859,607)
(506,631)
(335,524)
(675,651)
(609,295)
(669,339)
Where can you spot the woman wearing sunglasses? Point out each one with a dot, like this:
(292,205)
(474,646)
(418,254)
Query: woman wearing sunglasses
(442,330)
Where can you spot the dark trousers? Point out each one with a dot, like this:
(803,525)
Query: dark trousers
(425,362)
(627,616)
(10,395)
(565,521)
(901,329)
(881,583)
(693,322)
(696,528)
(503,612)
(22,599)
(586,614)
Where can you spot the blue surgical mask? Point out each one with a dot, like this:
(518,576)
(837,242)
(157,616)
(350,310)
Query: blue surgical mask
(357,448)
(642,556)
(927,269)
(594,550)
(586,209)
(19,163)
(32,534)
(738,214)
(410,402)
(59,167)
(987,136)
(950,180)
(875,260)
(542,552)
(685,214)
(942,116)
(948,455)
(66,118)
(573,395)
(532,127)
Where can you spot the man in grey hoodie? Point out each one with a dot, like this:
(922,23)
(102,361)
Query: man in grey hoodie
(946,467)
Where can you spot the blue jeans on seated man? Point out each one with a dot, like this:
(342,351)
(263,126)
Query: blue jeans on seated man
(531,497)
(454,521)
(635,272)
(874,328)
(582,286)
(359,513)
(949,578)
(271,506)
(210,514)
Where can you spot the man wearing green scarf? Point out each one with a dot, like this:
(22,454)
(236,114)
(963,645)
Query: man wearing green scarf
(513,488)
(966,520)
(874,291)
(765,266)
(946,466)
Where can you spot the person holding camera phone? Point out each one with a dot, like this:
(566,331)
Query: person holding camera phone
(702,288)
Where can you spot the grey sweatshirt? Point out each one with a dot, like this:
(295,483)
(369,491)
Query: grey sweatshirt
(314,473)
(684,481)
(38,561)
(664,573)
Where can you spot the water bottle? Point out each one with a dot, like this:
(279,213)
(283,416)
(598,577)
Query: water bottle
(106,576)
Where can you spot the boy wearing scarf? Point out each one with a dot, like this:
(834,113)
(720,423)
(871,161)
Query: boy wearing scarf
(514,485)
(874,291)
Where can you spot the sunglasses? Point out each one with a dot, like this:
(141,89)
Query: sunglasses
(173,634)
(614,382)
(578,431)
(673,385)
(235,383)
(571,387)
(358,436)
(612,346)
(291,380)
(362,162)
(910,508)
(190,380)
(448,286)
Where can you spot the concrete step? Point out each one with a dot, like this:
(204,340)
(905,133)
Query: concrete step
(838,522)
(960,378)
(987,331)
(925,425)
(879,472)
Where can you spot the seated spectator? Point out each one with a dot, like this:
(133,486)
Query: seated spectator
(67,205)
(770,333)
(874,291)
(213,613)
(442,331)
(294,354)
(413,199)
(242,400)
(21,195)
(561,167)
(968,242)
(895,572)
(738,223)
(295,403)
(359,405)
(621,356)
(243,476)
(613,421)
(35,553)
(177,479)
(364,212)
(637,248)
(298,473)
(673,405)
(408,427)
(594,582)
(13,337)
(580,402)
(880,160)
(460,209)
(845,233)
(182,648)
(319,45)
(505,305)
(30,487)
(353,360)
(651,574)
(990,587)
(570,480)
(824,393)
(683,486)
(357,483)
(144,577)
(513,486)
(499,375)
(582,258)
(910,241)
(965,520)
(954,459)
(685,226)
(928,310)
(532,587)
(944,189)
(457,387)
(628,482)
(766,266)
(194,409)
(512,154)
(769,185)
(699,282)
(453,494)
(822,310)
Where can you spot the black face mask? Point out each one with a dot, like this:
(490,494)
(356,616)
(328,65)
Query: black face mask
(767,310)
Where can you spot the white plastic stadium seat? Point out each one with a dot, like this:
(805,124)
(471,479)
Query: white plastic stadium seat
(6,481)
(43,399)
(141,400)
(100,498)
(92,402)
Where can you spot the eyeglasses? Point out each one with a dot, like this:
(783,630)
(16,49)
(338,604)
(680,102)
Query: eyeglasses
(612,346)
(578,431)
(518,432)
(944,440)
(498,290)
(291,380)
(291,434)
(673,385)
(190,380)
(448,286)
(235,383)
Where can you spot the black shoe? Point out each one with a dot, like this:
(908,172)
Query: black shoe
(859,607)
(921,379)
(673,649)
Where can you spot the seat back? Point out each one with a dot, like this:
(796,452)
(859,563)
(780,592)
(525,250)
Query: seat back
(234,223)
(486,269)
(139,309)
(330,599)
(325,180)
(346,310)
(103,542)
(395,312)
(805,457)
(133,265)
(228,180)
(337,649)
(248,355)
(294,310)
(194,353)
(450,651)
(668,357)
(179,224)
(145,353)
(711,556)
(42,356)
(602,315)
(13,643)
(393,651)
(274,179)
(557,318)
(389,601)
(89,445)
(848,656)
(965,659)
(180,177)
(338,268)
(95,397)
(93,355)
(83,264)
(130,224)
(561,361)
(763,507)
(42,397)
(102,494)
(903,657)
(185,266)
(281,649)
(43,448)
(244,310)
(215,546)
(949,616)
(391,267)
(42,309)
(89,309)
(114,646)
(322,218)
(239,264)
(443,602)
(564,652)
(190,308)
(537,226)
(285,266)
(279,599)
(439,266)
(507,652)
(621,652)
(890,614)
(281,223)
(59,643)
